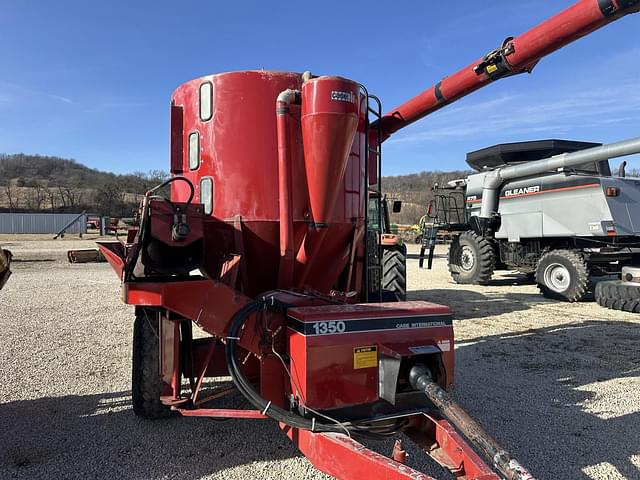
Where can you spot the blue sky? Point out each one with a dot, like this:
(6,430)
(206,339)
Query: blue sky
(92,80)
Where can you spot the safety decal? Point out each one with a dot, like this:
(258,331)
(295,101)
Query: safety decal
(365,357)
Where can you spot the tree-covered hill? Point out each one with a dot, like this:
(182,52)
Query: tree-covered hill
(37,183)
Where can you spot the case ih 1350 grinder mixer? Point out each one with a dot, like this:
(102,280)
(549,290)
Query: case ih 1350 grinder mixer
(263,244)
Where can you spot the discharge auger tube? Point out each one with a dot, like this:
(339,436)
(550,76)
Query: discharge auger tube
(420,378)
(516,55)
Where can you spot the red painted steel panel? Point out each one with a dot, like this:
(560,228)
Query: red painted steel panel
(221,413)
(238,150)
(238,145)
(115,254)
(330,114)
(346,459)
(322,342)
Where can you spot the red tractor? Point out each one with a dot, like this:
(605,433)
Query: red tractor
(393,251)
(265,243)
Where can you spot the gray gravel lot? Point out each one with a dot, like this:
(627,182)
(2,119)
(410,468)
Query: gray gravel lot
(555,383)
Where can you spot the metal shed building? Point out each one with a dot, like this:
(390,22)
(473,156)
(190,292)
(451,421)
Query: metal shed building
(42,222)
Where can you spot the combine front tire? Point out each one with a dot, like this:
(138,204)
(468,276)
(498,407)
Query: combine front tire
(619,295)
(394,270)
(563,275)
(146,385)
(472,259)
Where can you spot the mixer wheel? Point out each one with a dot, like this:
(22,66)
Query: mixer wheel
(146,385)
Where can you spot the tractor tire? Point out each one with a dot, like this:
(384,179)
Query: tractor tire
(563,275)
(146,385)
(472,259)
(619,295)
(394,270)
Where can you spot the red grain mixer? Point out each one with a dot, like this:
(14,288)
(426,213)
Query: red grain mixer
(268,238)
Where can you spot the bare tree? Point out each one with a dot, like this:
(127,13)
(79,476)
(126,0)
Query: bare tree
(12,194)
(71,196)
(109,197)
(51,197)
(36,196)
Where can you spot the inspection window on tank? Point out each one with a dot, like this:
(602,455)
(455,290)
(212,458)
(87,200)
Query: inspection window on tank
(206,194)
(194,150)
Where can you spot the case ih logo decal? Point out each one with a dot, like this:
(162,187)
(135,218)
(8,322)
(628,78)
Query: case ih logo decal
(514,192)
(343,96)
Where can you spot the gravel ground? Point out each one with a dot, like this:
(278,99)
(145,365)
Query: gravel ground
(557,384)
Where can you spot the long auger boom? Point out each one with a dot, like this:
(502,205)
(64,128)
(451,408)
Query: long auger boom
(516,55)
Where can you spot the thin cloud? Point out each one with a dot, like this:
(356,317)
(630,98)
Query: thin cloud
(560,113)
(13,92)
(123,104)
(114,105)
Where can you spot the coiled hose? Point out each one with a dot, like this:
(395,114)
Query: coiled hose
(245,387)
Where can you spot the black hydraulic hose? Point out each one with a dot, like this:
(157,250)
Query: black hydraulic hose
(130,265)
(171,180)
(245,387)
(420,379)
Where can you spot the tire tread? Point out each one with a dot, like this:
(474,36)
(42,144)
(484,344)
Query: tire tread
(618,295)
(486,259)
(394,270)
(146,385)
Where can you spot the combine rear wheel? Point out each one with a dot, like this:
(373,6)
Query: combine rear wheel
(563,275)
(619,295)
(146,385)
(472,259)
(394,270)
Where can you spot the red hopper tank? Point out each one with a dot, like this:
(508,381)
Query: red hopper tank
(225,140)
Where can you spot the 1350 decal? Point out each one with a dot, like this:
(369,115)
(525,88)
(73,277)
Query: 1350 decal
(335,326)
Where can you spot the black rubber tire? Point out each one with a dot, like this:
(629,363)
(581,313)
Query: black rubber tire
(484,261)
(618,295)
(146,385)
(577,268)
(394,270)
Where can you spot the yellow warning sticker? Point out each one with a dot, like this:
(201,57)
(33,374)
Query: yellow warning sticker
(365,357)
(491,68)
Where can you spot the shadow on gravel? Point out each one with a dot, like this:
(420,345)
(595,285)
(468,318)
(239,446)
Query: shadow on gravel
(98,436)
(539,394)
(536,392)
(416,256)
(468,304)
(32,260)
